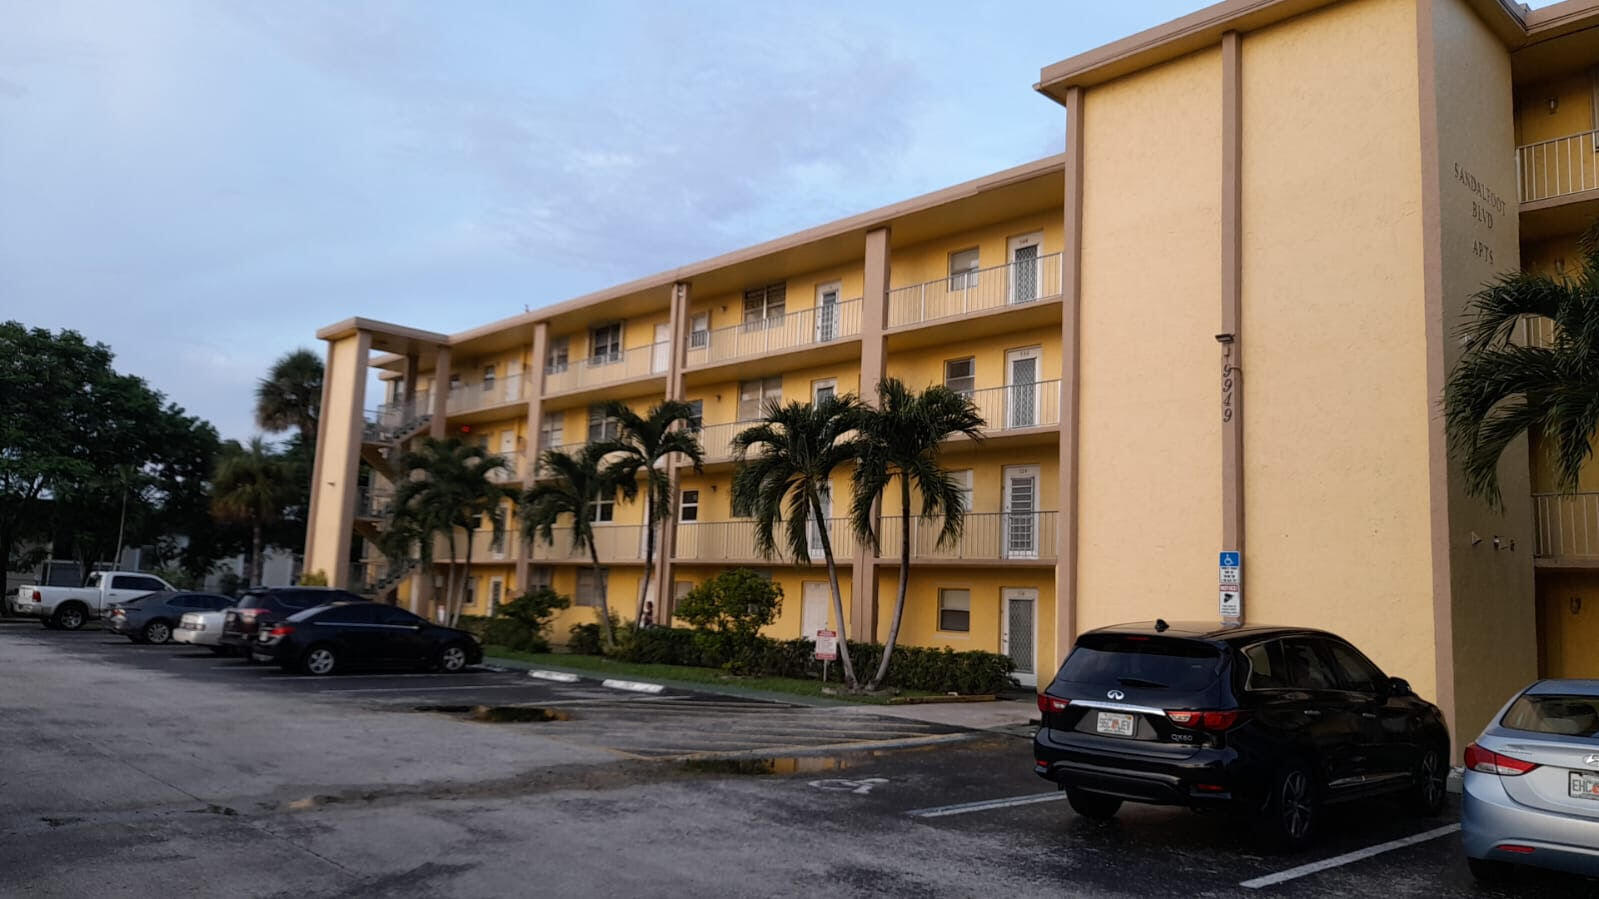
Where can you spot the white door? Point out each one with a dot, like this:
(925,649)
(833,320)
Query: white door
(513,380)
(813,528)
(662,349)
(816,597)
(496,591)
(1019,632)
(1021,387)
(1021,512)
(1024,267)
(827,312)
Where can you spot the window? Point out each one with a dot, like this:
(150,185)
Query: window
(752,397)
(496,591)
(488,378)
(605,344)
(1110,660)
(964,479)
(592,585)
(688,506)
(823,389)
(540,576)
(1306,668)
(136,582)
(963,269)
(602,426)
(1266,668)
(1566,714)
(455,383)
(697,418)
(1352,668)
(604,509)
(699,331)
(763,305)
(960,375)
(551,431)
(361,614)
(954,610)
(555,355)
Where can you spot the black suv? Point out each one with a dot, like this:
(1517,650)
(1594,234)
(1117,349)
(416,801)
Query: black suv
(1273,721)
(267,605)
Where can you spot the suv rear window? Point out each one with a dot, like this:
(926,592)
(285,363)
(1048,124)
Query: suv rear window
(1566,714)
(1132,660)
(257,601)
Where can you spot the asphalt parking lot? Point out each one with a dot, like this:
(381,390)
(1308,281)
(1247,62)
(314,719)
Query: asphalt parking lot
(139,770)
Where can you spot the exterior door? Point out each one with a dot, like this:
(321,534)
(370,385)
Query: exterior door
(1024,267)
(827,312)
(813,528)
(1019,632)
(1021,387)
(816,596)
(496,592)
(1021,512)
(513,380)
(662,349)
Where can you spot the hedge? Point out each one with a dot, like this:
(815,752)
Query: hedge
(923,668)
(507,632)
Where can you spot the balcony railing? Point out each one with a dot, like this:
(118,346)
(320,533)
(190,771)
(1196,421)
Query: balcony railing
(717,440)
(1554,168)
(614,542)
(795,330)
(734,541)
(1012,284)
(1016,406)
(392,419)
(608,368)
(469,397)
(1566,525)
(484,547)
(988,536)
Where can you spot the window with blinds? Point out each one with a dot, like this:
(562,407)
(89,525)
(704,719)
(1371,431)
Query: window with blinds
(605,343)
(960,375)
(763,305)
(752,396)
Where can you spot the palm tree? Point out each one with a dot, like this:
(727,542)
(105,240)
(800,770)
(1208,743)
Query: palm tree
(900,439)
(449,486)
(250,487)
(1499,390)
(789,458)
(642,445)
(290,396)
(576,486)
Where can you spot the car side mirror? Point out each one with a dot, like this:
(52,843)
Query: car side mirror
(1398,686)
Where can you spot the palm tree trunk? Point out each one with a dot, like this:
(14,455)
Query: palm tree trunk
(256,568)
(466,576)
(449,578)
(904,579)
(838,600)
(649,559)
(605,606)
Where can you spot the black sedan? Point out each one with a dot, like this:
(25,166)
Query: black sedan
(1272,721)
(150,618)
(262,607)
(343,635)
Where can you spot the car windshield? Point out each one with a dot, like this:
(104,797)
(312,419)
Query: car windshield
(1133,660)
(1565,714)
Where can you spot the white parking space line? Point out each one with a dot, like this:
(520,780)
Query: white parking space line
(964,807)
(1347,858)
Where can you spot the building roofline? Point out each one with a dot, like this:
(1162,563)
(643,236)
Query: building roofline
(351,325)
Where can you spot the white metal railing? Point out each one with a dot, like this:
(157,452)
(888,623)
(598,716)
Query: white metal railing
(484,547)
(1554,168)
(390,419)
(613,542)
(989,536)
(1012,284)
(468,397)
(1538,331)
(734,541)
(1035,404)
(515,466)
(795,330)
(1566,525)
(717,440)
(608,368)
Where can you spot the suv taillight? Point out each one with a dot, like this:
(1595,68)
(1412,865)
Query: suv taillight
(1485,761)
(37,597)
(1048,703)
(1216,721)
(282,630)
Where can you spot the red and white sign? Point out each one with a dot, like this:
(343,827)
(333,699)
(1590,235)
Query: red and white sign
(827,645)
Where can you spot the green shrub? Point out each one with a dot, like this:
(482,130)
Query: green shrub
(728,612)
(589,639)
(520,623)
(317,578)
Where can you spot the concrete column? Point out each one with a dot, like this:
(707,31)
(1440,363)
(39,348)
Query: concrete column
(408,396)
(323,427)
(1232,386)
(874,366)
(533,443)
(440,398)
(341,474)
(664,569)
(1070,368)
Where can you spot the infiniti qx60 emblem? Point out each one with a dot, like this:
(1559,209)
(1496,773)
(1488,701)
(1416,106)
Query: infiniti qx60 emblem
(1117,694)
(1592,760)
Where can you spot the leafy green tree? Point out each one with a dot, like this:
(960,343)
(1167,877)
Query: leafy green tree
(1500,390)
(901,440)
(576,487)
(730,609)
(641,448)
(521,623)
(787,462)
(250,488)
(290,396)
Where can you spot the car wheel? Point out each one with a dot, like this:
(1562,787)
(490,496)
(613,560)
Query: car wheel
(69,618)
(319,660)
(453,659)
(1488,871)
(1426,796)
(157,632)
(1093,806)
(1288,818)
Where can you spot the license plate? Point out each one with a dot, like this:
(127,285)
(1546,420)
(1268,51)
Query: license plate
(1584,785)
(1115,723)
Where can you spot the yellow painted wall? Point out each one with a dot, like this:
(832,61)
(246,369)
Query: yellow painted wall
(929,261)
(329,540)
(727,309)
(924,366)
(792,579)
(1573,112)
(721,399)
(1568,604)
(1150,440)
(920,624)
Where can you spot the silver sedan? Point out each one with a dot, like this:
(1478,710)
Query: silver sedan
(1532,783)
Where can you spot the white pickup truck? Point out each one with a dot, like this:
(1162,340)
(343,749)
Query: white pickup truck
(67,608)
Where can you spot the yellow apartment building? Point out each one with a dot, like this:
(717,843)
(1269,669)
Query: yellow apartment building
(1221,321)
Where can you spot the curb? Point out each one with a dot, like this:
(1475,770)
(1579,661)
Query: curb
(632,685)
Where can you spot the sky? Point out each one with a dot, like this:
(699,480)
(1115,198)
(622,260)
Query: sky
(202,184)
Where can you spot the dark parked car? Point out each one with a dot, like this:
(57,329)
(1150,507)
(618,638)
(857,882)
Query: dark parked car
(1273,721)
(264,606)
(151,618)
(343,635)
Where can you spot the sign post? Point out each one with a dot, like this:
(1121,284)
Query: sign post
(826,649)
(1231,593)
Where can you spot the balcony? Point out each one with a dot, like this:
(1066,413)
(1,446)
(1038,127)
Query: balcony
(393,420)
(1027,537)
(484,546)
(734,541)
(614,543)
(983,290)
(1018,407)
(1566,529)
(472,397)
(717,440)
(599,371)
(1559,167)
(762,337)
